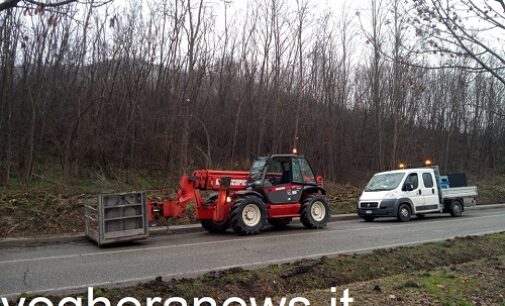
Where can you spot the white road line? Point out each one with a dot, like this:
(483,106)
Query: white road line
(239,239)
(245,266)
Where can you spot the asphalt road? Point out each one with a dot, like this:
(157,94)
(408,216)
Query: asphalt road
(81,264)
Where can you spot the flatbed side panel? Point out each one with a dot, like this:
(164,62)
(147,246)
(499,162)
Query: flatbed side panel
(459,192)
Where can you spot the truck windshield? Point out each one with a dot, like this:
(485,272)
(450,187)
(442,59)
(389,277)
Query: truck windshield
(383,182)
(256,171)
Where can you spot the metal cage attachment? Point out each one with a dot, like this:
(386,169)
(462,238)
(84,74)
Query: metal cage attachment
(116,217)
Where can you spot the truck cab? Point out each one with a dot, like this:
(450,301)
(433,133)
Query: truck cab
(407,192)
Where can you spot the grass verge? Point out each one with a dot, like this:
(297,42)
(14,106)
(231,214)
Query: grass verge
(480,282)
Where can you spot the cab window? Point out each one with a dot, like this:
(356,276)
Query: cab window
(279,172)
(427,180)
(308,176)
(413,180)
(297,171)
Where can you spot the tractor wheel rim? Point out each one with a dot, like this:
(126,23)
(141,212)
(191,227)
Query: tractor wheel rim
(318,211)
(404,212)
(457,208)
(251,215)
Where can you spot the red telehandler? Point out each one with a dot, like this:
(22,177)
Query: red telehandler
(276,189)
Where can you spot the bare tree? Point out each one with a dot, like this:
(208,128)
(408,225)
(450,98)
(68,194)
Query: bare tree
(175,85)
(449,27)
(41,5)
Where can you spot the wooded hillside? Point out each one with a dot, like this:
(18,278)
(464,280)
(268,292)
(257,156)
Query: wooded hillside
(182,84)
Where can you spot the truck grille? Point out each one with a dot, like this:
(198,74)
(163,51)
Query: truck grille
(369,204)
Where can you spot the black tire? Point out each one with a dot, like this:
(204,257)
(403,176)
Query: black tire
(368,219)
(404,213)
(279,222)
(215,227)
(248,215)
(456,209)
(420,216)
(315,217)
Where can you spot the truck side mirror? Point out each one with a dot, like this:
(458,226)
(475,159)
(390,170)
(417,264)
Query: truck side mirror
(409,187)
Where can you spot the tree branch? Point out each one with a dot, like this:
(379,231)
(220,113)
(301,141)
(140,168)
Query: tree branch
(502,4)
(8,4)
(50,4)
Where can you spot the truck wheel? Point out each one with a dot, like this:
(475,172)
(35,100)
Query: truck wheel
(456,209)
(215,227)
(368,219)
(248,215)
(404,213)
(279,222)
(315,211)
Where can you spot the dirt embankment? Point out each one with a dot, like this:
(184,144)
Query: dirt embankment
(39,211)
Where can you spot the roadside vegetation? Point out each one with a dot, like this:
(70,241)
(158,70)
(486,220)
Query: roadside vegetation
(462,271)
(480,282)
(49,206)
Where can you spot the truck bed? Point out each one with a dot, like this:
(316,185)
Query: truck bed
(459,192)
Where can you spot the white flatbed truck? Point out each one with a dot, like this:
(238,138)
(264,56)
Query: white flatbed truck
(408,192)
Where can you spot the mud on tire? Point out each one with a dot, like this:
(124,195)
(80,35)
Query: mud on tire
(248,215)
(315,211)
